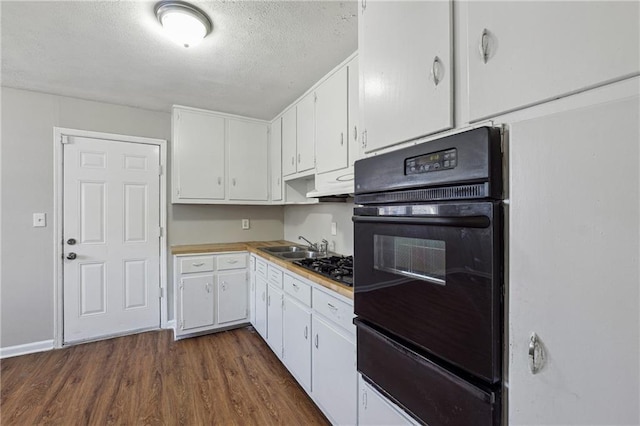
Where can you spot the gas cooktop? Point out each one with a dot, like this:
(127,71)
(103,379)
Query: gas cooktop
(337,268)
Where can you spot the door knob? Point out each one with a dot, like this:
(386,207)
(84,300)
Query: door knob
(71,256)
(71,241)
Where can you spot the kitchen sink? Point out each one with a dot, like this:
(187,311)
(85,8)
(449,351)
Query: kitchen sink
(284,249)
(292,252)
(302,254)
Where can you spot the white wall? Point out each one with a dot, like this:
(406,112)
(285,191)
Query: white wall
(28,119)
(314,223)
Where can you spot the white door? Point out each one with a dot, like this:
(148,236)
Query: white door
(274,319)
(111,209)
(275,150)
(354,112)
(405,70)
(574,239)
(331,123)
(297,341)
(248,156)
(289,141)
(196,302)
(524,52)
(232,296)
(305,133)
(261,307)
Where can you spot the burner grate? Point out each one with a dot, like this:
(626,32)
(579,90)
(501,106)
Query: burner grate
(337,268)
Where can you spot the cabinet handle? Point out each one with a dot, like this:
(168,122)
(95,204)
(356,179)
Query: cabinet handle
(293,159)
(355,133)
(536,354)
(341,138)
(207,288)
(232,261)
(364,398)
(333,308)
(263,296)
(269,300)
(197,265)
(298,158)
(306,332)
(233,181)
(295,286)
(316,341)
(484,45)
(224,286)
(435,68)
(219,180)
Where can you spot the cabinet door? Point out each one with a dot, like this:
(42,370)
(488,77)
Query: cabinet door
(232,296)
(248,158)
(297,341)
(574,238)
(261,307)
(334,373)
(196,302)
(354,112)
(331,123)
(252,292)
(289,141)
(275,156)
(406,70)
(274,319)
(536,51)
(198,156)
(305,133)
(375,409)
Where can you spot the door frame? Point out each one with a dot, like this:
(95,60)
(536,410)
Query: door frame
(59,136)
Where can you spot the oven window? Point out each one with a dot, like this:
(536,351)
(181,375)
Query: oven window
(412,257)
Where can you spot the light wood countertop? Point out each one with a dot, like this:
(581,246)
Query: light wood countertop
(254,247)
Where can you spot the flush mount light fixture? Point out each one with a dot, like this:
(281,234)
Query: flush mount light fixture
(184,23)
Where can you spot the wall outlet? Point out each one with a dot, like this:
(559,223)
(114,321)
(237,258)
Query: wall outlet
(245,223)
(334,228)
(39,220)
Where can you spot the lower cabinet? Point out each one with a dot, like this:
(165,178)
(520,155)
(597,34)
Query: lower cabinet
(375,409)
(334,372)
(274,319)
(211,292)
(297,341)
(260,323)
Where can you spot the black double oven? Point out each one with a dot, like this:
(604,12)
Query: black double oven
(428,277)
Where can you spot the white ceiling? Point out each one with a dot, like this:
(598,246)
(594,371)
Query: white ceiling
(259,58)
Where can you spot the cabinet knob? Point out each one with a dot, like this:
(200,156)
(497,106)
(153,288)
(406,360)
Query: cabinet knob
(536,354)
(484,45)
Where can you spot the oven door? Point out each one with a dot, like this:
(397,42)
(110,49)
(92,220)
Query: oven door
(430,276)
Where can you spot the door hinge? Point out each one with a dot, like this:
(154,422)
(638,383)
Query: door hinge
(161,293)
(160,170)
(64,139)
(161,232)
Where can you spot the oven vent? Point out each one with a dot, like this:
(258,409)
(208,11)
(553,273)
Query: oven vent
(460,192)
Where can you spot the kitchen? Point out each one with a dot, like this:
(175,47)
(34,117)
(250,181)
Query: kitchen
(552,88)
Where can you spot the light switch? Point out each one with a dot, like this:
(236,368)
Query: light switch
(334,228)
(245,223)
(39,220)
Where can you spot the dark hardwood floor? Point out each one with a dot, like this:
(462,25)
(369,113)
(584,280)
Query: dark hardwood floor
(228,378)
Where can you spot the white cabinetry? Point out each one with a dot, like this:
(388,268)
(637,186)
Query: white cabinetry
(289,138)
(405,70)
(297,330)
(248,153)
(305,125)
(198,156)
(218,158)
(525,52)
(260,320)
(252,290)
(275,155)
(375,409)
(331,123)
(353,98)
(211,292)
(274,319)
(574,263)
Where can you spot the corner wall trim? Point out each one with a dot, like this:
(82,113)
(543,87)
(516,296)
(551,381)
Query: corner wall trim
(27,348)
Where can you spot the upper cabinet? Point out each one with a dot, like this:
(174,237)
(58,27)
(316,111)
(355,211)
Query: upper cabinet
(198,156)
(289,140)
(248,153)
(331,123)
(353,99)
(525,52)
(305,125)
(218,158)
(275,159)
(405,70)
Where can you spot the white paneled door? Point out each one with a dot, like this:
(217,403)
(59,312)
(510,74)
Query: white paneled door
(111,229)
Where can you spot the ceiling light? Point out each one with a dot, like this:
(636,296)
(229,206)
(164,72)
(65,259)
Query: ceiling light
(184,23)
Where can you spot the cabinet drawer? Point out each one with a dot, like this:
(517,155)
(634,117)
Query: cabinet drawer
(336,310)
(196,264)
(231,261)
(274,276)
(297,289)
(261,268)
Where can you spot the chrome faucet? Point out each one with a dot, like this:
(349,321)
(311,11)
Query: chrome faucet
(324,247)
(312,246)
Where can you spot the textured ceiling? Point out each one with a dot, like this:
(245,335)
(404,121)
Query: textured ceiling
(259,58)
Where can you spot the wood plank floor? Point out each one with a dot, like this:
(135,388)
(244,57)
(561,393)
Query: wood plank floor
(228,378)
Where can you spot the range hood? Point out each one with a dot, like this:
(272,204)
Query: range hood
(333,191)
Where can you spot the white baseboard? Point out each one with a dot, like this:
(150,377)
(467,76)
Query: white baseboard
(28,348)
(171,325)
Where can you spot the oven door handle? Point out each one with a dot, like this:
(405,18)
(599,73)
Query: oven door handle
(462,222)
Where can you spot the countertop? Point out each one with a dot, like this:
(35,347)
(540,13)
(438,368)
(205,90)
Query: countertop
(254,247)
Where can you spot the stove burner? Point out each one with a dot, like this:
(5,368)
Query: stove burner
(338,268)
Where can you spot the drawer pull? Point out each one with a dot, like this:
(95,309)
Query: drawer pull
(333,308)
(207,287)
(232,261)
(306,332)
(316,341)
(197,265)
(296,287)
